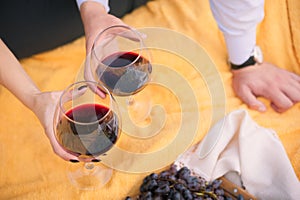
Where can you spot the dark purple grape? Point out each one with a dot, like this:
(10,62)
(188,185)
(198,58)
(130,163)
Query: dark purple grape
(194,186)
(240,197)
(179,187)
(173,169)
(171,177)
(162,182)
(183,173)
(198,198)
(150,177)
(183,182)
(164,174)
(219,192)
(158,197)
(162,190)
(187,194)
(153,176)
(176,196)
(146,196)
(148,186)
(146,179)
(188,179)
(216,184)
(209,188)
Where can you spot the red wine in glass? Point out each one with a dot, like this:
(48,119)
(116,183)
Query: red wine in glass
(87,125)
(88,130)
(124,73)
(121,62)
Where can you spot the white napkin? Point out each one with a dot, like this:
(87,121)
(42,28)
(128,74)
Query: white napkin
(255,153)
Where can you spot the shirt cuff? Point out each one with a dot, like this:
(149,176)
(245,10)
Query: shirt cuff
(240,46)
(103,2)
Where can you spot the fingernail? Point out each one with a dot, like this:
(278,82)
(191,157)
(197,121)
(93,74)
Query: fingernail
(74,161)
(261,109)
(82,87)
(95,160)
(143,35)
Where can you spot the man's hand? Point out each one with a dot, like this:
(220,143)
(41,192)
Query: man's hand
(266,80)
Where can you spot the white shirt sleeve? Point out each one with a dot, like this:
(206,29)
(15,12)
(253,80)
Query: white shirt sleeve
(238,19)
(103,2)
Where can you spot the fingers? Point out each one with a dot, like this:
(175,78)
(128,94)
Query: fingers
(286,95)
(99,91)
(126,32)
(58,150)
(295,77)
(292,91)
(250,99)
(281,88)
(72,157)
(133,35)
(280,102)
(79,91)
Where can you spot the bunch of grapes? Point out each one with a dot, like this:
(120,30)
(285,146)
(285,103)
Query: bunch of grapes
(179,184)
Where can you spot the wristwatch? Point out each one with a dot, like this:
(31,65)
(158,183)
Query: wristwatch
(256,56)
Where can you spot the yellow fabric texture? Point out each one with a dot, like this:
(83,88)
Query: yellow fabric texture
(30,170)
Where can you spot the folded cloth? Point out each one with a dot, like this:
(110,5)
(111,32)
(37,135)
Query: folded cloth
(254,153)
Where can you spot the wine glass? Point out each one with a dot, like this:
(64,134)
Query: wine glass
(120,61)
(87,124)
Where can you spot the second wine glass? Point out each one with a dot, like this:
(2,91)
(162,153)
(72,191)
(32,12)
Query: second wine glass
(121,62)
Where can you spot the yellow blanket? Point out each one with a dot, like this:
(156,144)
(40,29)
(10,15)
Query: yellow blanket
(30,170)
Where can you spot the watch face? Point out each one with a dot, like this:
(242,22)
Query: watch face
(257,53)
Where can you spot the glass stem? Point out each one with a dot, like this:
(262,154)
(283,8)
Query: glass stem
(130,100)
(89,165)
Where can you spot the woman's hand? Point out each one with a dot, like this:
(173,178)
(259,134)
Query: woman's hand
(44,108)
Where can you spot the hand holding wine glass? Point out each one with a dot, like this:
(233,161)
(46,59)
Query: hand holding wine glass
(87,126)
(121,62)
(44,109)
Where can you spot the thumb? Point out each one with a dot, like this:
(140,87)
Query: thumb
(250,99)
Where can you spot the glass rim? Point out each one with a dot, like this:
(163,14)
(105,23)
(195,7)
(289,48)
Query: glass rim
(85,83)
(141,42)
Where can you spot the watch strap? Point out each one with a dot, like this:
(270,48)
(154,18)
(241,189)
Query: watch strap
(250,61)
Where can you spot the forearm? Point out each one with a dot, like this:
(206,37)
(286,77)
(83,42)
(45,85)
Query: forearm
(95,19)
(14,78)
(238,19)
(105,3)
(90,11)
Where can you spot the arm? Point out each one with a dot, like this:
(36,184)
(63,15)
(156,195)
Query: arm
(16,80)
(95,19)
(238,19)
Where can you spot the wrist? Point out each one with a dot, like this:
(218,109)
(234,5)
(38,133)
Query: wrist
(36,102)
(90,13)
(104,3)
(256,57)
(44,104)
(91,8)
